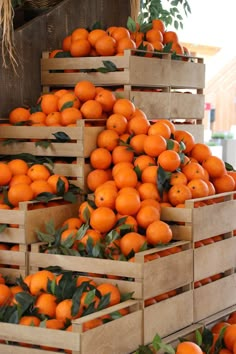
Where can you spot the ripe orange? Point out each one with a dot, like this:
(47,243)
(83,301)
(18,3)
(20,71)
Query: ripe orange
(39,280)
(143,161)
(105,46)
(37,117)
(138,125)
(125,177)
(154,145)
(127,203)
(187,138)
(46,304)
(80,48)
(230,336)
(106,288)
(218,326)
(94,235)
(146,215)
(91,109)
(85,90)
(178,193)
(149,174)
(154,35)
(69,99)
(188,348)
(170,36)
(105,195)
(40,186)
(107,99)
(100,158)
(84,208)
(120,166)
(70,115)
(72,223)
(193,170)
(108,139)
(79,33)
(198,187)
(122,153)
(5,174)
(161,128)
(19,179)
(95,34)
(214,166)
(120,32)
(148,190)
(158,24)
(200,152)
(125,107)
(19,114)
(178,177)
(132,241)
(30,321)
(102,219)
(64,309)
(53,119)
(5,295)
(223,184)
(95,178)
(117,122)
(66,42)
(20,193)
(53,181)
(158,232)
(125,43)
(169,160)
(49,103)
(38,171)
(137,143)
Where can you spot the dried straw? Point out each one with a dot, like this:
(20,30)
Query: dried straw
(135,8)
(7,33)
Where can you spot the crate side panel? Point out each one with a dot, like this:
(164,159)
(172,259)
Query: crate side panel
(168,316)
(187,75)
(187,106)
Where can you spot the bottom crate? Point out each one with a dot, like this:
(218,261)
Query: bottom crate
(168,316)
(118,336)
(214,297)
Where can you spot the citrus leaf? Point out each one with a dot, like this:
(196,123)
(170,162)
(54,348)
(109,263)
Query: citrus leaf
(70,197)
(82,231)
(43,143)
(163,178)
(68,104)
(25,301)
(62,137)
(229,167)
(198,336)
(43,237)
(3,227)
(50,227)
(60,188)
(62,55)
(104,301)
(45,197)
(131,24)
(126,296)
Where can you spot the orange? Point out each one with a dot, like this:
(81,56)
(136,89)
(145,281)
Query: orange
(127,203)
(178,177)
(84,208)
(37,117)
(40,186)
(20,193)
(129,221)
(53,119)
(83,279)
(69,99)
(105,46)
(161,297)
(125,107)
(154,35)
(158,24)
(60,92)
(177,48)
(148,190)
(94,235)
(169,123)
(70,116)
(66,42)
(102,219)
(5,174)
(125,43)
(55,179)
(19,114)
(233,175)
(92,324)
(193,170)
(85,90)
(147,47)
(188,348)
(170,36)
(107,99)
(198,187)
(108,139)
(150,174)
(117,122)
(122,153)
(38,171)
(169,160)
(79,33)
(143,161)
(230,336)
(154,145)
(95,178)
(160,127)
(223,184)
(125,178)
(64,309)
(105,195)
(158,46)
(132,241)
(91,109)
(54,52)
(218,326)
(200,152)
(46,304)
(106,288)
(146,215)
(138,125)
(100,158)
(137,143)
(158,232)
(120,166)
(214,166)
(68,234)
(120,32)
(187,138)
(39,280)
(49,103)
(72,223)
(94,35)
(30,321)
(80,48)
(178,193)
(5,295)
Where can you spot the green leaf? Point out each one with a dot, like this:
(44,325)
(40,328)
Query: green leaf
(45,237)
(68,104)
(43,143)
(60,188)
(109,66)
(198,336)
(219,344)
(3,227)
(145,27)
(170,144)
(63,55)
(207,339)
(61,137)
(45,197)
(69,241)
(126,296)
(25,301)
(163,180)
(144,349)
(50,227)
(229,167)
(131,24)
(104,301)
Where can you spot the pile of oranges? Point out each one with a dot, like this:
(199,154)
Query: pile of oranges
(115,39)
(20,182)
(55,309)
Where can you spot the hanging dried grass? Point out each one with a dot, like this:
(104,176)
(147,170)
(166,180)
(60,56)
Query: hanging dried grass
(135,8)
(7,34)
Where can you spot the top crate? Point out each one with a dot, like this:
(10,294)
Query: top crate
(132,70)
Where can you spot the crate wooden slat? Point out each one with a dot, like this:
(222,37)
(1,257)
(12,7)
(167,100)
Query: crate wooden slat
(214,297)
(205,221)
(29,221)
(137,71)
(105,338)
(142,273)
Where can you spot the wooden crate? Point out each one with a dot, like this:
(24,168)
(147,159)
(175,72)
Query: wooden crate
(137,277)
(214,297)
(83,141)
(27,221)
(223,315)
(202,222)
(14,264)
(100,340)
